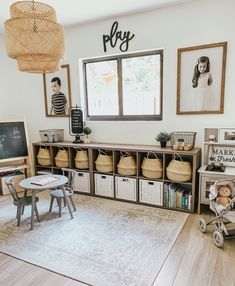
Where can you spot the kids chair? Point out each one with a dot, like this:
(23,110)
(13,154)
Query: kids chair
(69,188)
(20,202)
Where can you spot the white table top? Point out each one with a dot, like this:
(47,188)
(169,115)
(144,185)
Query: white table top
(27,183)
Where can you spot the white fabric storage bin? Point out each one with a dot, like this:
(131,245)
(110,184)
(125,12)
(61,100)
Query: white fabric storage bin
(82,182)
(151,192)
(104,185)
(125,188)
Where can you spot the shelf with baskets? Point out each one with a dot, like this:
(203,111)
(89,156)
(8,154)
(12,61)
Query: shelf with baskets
(143,174)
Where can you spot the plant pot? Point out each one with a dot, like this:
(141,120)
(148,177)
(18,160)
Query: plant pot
(87,140)
(163,144)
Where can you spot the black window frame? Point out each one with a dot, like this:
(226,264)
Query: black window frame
(122,117)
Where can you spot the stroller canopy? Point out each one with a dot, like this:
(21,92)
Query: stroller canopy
(217,208)
(223,182)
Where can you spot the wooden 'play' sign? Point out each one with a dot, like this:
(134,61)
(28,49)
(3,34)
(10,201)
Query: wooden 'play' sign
(115,37)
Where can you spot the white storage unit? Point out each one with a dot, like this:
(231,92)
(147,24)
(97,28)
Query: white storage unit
(151,192)
(104,185)
(125,188)
(82,182)
(16,178)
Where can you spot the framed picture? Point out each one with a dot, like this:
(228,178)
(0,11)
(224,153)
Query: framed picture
(57,92)
(227,135)
(201,79)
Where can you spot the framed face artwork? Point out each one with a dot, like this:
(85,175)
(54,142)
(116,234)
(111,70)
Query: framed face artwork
(57,92)
(201,79)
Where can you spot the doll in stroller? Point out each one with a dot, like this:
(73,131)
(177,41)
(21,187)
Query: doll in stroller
(222,199)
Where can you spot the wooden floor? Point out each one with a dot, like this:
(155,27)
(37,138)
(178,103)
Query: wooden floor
(193,260)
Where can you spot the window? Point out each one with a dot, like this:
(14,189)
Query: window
(124,87)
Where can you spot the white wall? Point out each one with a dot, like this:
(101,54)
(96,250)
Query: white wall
(195,23)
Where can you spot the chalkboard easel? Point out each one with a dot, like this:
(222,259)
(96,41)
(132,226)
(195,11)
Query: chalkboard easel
(14,147)
(76,123)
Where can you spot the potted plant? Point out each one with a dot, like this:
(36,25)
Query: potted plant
(87,131)
(163,137)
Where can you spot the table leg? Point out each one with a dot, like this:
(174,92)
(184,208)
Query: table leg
(67,202)
(33,207)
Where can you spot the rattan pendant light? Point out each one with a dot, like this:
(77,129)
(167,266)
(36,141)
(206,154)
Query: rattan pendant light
(34,38)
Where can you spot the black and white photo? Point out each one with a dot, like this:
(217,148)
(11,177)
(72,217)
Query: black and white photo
(201,79)
(57,92)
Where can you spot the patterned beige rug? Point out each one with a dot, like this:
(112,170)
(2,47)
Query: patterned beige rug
(107,243)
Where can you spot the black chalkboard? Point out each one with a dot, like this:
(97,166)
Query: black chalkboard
(76,121)
(13,143)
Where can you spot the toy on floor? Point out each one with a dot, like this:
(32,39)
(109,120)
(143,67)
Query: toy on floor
(222,198)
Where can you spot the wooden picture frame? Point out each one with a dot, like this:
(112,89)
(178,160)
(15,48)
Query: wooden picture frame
(201,79)
(61,97)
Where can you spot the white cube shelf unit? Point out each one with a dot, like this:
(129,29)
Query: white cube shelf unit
(131,188)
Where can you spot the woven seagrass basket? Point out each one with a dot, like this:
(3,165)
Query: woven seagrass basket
(62,159)
(152,167)
(81,159)
(104,162)
(127,164)
(44,157)
(179,171)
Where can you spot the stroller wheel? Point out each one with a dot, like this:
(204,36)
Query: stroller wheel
(202,225)
(218,238)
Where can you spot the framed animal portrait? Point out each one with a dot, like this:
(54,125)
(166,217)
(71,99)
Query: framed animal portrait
(201,79)
(57,92)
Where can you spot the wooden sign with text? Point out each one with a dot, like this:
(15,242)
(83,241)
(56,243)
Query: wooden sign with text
(116,36)
(222,154)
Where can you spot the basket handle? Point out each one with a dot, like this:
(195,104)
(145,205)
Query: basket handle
(102,152)
(178,156)
(61,148)
(78,149)
(44,146)
(150,152)
(125,154)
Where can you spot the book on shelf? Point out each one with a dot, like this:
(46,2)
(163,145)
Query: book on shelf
(177,196)
(44,181)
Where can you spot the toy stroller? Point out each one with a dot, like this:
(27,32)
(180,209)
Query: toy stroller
(222,198)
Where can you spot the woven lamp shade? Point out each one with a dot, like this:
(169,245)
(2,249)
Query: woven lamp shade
(32,9)
(35,64)
(33,37)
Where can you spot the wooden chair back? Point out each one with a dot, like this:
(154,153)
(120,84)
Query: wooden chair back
(12,190)
(71,176)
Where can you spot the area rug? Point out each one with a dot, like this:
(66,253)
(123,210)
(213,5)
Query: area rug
(107,243)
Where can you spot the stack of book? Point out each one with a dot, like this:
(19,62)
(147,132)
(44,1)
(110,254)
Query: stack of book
(177,196)
(44,181)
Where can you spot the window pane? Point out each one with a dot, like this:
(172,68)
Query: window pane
(102,88)
(141,85)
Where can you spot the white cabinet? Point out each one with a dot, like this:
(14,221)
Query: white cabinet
(151,192)
(125,188)
(82,182)
(104,185)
